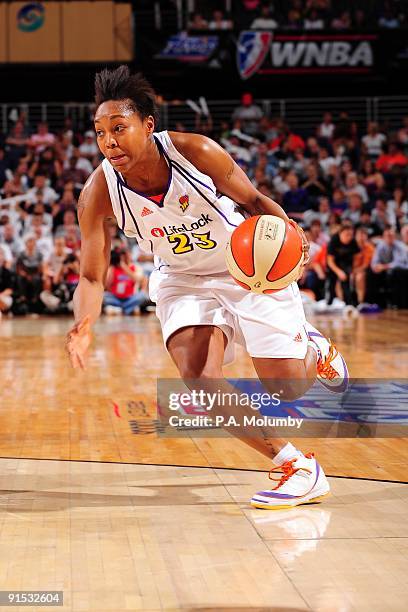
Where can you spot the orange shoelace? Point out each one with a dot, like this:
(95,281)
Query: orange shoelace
(288,471)
(324,368)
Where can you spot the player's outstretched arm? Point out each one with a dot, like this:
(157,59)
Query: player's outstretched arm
(94,211)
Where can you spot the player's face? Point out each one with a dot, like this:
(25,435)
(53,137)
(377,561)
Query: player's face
(122,136)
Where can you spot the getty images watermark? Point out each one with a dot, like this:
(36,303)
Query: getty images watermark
(298,408)
(198,409)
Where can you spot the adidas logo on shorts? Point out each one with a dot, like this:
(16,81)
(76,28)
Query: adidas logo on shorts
(146,211)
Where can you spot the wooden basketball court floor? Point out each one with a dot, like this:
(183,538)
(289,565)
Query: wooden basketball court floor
(121,520)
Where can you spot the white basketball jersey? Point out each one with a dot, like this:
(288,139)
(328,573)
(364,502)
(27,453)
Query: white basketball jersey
(189,229)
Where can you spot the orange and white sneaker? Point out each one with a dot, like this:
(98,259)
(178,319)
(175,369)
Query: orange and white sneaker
(332,370)
(303,482)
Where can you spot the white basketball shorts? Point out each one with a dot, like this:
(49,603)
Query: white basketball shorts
(270,326)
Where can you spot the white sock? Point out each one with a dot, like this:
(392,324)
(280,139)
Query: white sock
(287,453)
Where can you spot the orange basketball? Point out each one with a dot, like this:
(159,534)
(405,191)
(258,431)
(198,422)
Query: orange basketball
(264,254)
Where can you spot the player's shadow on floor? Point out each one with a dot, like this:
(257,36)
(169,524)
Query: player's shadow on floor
(160,496)
(24,500)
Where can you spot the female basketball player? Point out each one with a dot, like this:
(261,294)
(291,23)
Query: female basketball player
(176,194)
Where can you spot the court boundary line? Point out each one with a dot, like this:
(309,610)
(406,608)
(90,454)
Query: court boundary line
(199,467)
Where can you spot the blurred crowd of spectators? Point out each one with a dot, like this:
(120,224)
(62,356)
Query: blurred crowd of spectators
(299,15)
(41,176)
(346,185)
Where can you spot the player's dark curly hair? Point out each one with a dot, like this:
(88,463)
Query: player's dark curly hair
(120,84)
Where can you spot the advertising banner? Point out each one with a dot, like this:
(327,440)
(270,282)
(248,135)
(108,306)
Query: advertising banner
(34,32)
(184,47)
(275,53)
(81,31)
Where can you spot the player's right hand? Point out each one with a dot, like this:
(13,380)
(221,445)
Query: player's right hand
(305,247)
(78,340)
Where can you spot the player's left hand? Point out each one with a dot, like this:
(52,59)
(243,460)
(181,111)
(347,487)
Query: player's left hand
(305,246)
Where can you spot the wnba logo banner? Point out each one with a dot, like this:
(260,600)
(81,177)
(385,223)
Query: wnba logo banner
(264,53)
(252,48)
(31,17)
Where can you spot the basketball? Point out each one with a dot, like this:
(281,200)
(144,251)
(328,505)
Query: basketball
(264,254)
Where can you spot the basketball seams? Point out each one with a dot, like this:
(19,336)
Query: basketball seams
(233,246)
(253,244)
(233,257)
(287,273)
(283,247)
(277,255)
(266,252)
(271,241)
(237,274)
(243,285)
(279,252)
(283,282)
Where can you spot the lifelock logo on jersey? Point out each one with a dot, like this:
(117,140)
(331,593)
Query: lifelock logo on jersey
(168,230)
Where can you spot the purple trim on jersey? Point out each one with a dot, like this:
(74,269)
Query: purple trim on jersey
(121,206)
(130,212)
(170,177)
(185,174)
(163,265)
(179,166)
(140,193)
(202,195)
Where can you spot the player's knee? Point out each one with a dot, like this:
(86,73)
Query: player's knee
(292,391)
(289,390)
(192,371)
